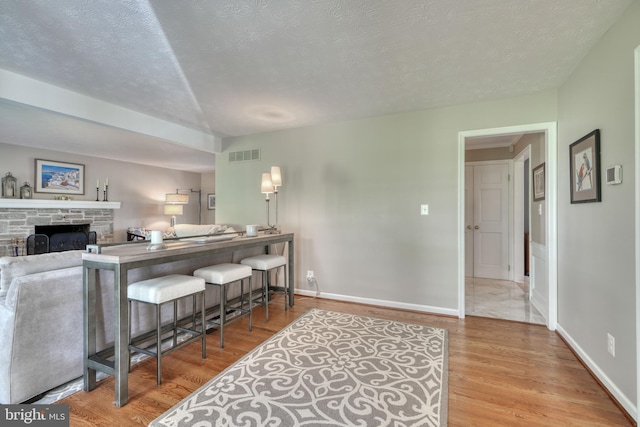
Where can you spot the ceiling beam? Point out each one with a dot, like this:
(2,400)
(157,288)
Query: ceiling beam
(25,90)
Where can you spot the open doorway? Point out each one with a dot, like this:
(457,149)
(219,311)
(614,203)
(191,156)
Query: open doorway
(498,227)
(542,248)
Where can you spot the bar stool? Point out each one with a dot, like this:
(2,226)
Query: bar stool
(159,291)
(222,275)
(266,263)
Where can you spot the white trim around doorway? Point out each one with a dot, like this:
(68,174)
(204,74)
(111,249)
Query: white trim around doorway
(551,207)
(637,213)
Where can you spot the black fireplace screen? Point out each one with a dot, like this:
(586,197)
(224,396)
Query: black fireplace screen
(60,238)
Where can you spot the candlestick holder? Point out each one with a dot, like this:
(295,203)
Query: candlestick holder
(97,194)
(106,191)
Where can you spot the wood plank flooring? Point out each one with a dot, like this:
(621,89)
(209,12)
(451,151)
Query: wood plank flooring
(500,373)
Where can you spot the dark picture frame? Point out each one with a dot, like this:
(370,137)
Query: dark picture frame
(584,167)
(59,177)
(211,202)
(538,183)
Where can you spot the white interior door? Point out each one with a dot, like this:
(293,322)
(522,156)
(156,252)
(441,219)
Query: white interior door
(491,221)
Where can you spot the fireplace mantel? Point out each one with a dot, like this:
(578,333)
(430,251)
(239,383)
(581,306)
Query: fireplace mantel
(56,204)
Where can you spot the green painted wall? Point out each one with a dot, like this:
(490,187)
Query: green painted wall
(596,241)
(353,191)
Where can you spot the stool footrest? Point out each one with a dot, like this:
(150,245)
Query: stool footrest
(181,344)
(102,364)
(231,310)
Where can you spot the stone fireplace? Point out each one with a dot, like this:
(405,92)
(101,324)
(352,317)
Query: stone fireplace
(16,223)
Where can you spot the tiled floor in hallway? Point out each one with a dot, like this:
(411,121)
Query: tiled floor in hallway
(500,299)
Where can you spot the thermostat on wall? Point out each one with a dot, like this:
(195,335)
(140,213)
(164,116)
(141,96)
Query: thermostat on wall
(614,175)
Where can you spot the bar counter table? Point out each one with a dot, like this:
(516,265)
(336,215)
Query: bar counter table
(122,258)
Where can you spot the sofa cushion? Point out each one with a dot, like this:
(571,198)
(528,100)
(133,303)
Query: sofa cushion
(13,267)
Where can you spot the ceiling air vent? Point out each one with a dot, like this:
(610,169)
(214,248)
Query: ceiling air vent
(244,155)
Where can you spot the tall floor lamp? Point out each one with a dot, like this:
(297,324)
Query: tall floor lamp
(179,198)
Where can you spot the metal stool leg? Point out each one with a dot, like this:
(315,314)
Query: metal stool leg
(286,289)
(265,287)
(159,344)
(223,312)
(241,294)
(204,327)
(250,307)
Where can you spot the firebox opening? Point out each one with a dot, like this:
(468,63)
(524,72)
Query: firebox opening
(59,238)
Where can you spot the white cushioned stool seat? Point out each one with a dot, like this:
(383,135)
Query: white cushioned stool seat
(223,273)
(264,262)
(163,289)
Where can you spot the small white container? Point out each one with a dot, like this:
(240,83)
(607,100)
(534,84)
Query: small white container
(252,230)
(156,237)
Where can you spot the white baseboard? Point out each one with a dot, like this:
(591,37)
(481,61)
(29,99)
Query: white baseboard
(626,403)
(382,303)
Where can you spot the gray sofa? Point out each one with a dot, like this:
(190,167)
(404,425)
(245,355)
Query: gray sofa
(41,320)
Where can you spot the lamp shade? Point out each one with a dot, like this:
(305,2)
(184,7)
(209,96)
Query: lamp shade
(267,184)
(173,209)
(177,198)
(276,177)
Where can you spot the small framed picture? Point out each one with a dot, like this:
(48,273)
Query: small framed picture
(538,183)
(59,177)
(584,166)
(211,201)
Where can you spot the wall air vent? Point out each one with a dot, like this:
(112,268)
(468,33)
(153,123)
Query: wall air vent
(244,156)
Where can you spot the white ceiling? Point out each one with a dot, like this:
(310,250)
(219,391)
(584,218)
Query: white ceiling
(220,68)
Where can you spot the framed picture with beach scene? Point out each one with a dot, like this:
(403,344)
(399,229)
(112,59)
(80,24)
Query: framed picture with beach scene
(59,177)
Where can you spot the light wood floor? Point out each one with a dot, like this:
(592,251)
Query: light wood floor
(500,373)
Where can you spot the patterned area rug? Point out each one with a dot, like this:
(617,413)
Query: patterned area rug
(328,368)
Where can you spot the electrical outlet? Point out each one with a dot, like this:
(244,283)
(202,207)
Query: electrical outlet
(310,274)
(611,345)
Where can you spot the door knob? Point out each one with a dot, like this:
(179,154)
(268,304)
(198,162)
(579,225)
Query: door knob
(468,227)
(477,227)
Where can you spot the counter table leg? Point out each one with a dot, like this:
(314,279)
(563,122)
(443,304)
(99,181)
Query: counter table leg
(89,315)
(121,339)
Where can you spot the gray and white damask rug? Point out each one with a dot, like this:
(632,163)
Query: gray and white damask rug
(328,369)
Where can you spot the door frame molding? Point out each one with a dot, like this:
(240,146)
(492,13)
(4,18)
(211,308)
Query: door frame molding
(551,207)
(518,210)
(637,215)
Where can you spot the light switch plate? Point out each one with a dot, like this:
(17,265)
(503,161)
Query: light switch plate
(424,209)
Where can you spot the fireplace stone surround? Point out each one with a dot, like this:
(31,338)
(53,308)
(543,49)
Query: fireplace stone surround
(20,222)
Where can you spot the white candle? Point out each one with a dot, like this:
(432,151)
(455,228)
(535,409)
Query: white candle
(97,183)
(156,237)
(104,187)
(107,183)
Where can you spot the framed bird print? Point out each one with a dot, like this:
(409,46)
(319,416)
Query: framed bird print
(584,159)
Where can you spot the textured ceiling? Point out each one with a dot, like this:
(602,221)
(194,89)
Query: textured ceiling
(230,67)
